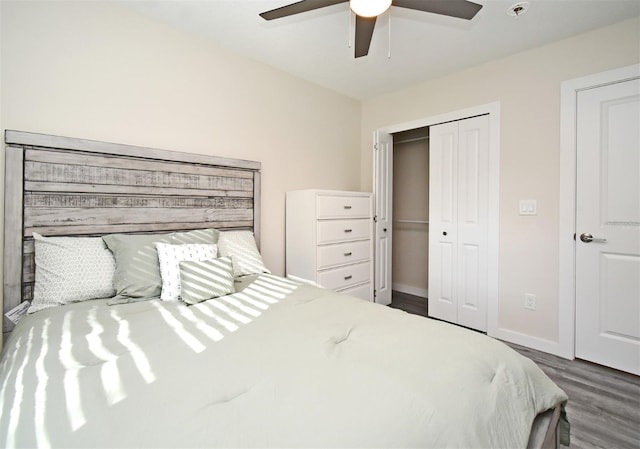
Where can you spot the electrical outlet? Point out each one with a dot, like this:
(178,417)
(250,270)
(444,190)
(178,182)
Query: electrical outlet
(530,301)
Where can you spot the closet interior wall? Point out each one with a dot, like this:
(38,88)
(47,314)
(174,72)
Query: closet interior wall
(410,252)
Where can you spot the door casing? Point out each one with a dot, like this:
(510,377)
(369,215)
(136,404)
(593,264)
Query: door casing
(568,122)
(493,110)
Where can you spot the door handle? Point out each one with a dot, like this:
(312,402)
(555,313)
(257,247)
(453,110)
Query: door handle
(588,238)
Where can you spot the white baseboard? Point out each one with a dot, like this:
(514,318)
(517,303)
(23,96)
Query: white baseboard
(409,289)
(539,344)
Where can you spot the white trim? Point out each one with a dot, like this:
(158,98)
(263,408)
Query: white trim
(410,289)
(493,109)
(529,341)
(489,108)
(568,109)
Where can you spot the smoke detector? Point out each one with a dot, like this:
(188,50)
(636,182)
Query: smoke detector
(518,9)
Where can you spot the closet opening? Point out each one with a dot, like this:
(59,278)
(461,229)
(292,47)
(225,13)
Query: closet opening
(410,249)
(453,258)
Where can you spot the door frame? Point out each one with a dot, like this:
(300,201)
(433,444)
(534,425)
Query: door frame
(493,110)
(568,156)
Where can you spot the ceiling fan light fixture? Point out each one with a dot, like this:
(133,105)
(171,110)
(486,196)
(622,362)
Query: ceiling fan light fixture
(369,8)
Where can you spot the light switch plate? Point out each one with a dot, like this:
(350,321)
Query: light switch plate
(528,207)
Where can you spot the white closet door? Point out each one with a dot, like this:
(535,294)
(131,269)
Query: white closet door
(472,247)
(383,176)
(443,217)
(458,234)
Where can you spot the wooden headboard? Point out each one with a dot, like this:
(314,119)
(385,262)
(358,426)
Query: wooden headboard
(61,186)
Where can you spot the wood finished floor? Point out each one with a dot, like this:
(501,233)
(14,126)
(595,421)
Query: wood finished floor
(604,404)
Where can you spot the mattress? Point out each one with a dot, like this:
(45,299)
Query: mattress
(277,364)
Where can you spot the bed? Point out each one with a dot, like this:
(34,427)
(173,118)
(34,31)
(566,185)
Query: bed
(269,362)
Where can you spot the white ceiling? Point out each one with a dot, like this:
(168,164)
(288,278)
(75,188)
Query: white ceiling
(314,45)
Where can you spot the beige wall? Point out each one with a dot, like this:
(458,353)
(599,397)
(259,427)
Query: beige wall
(527,85)
(99,71)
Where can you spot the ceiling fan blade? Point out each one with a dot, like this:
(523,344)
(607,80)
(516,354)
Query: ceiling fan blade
(298,7)
(364,32)
(461,9)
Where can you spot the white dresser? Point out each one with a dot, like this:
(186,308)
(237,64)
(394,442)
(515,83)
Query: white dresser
(329,240)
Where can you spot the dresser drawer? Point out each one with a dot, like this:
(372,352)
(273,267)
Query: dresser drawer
(339,278)
(338,206)
(334,231)
(342,253)
(359,291)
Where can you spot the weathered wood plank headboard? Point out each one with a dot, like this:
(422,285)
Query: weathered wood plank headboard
(72,187)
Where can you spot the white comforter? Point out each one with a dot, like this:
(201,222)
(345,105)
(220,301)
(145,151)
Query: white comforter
(276,365)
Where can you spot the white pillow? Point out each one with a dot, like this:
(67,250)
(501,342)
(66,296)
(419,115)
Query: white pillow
(71,269)
(205,279)
(241,247)
(169,258)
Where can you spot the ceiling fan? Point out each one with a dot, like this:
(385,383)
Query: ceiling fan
(367,11)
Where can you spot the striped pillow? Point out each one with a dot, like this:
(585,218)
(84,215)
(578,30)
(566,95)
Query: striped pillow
(205,279)
(169,258)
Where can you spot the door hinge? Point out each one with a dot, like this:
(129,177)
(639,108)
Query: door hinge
(375,146)
(375,292)
(375,218)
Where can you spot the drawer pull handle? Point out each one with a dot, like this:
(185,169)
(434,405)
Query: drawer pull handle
(346,278)
(347,254)
(348,230)
(347,207)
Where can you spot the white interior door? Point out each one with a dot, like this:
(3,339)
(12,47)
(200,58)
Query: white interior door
(608,226)
(458,221)
(383,178)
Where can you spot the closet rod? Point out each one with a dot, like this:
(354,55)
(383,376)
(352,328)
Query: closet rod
(415,139)
(412,221)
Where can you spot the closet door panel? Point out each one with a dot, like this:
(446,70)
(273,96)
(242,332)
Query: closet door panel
(469,277)
(442,293)
(473,185)
(383,172)
(443,192)
(447,182)
(468,176)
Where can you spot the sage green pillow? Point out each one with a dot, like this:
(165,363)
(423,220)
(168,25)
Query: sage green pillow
(137,271)
(203,236)
(137,274)
(205,279)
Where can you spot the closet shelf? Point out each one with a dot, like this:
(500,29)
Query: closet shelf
(412,221)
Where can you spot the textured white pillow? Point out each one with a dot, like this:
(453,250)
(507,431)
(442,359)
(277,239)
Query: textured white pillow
(169,258)
(205,279)
(71,269)
(241,247)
